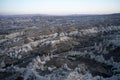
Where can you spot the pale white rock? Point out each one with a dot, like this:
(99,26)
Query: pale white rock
(2,64)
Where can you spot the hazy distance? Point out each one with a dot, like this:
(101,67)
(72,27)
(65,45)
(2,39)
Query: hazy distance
(59,7)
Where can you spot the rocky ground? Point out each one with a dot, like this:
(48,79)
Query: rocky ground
(80,54)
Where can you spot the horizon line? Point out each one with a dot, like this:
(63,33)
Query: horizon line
(58,14)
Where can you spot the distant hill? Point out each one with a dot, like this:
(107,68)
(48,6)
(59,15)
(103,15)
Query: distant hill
(55,15)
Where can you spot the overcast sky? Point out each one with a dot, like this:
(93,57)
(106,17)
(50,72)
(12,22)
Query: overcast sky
(59,6)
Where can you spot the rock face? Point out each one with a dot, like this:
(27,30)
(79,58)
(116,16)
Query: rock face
(77,54)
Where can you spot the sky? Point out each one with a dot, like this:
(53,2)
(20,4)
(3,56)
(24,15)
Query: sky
(59,7)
